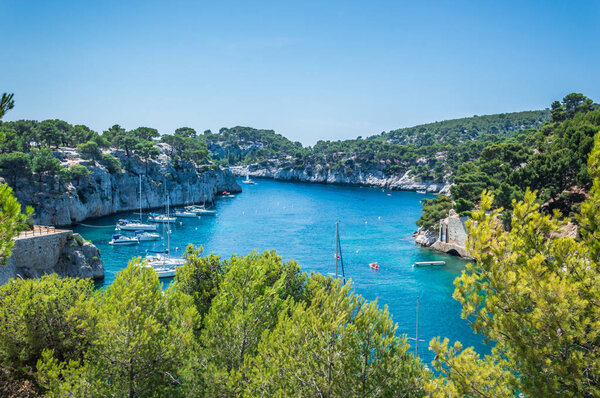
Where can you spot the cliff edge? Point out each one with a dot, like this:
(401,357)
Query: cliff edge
(318,174)
(48,250)
(103,193)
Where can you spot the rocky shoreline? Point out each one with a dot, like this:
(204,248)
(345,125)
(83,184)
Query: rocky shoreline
(448,236)
(103,193)
(317,174)
(46,251)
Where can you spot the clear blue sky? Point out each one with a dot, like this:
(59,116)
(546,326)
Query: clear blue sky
(308,69)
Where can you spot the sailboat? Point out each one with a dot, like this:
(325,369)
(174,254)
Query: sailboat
(201,210)
(248,180)
(135,225)
(122,240)
(185,214)
(162,262)
(339,261)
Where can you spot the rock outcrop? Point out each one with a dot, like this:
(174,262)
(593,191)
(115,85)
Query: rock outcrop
(372,178)
(103,193)
(450,236)
(57,251)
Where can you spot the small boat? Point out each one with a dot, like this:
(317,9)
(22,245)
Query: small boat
(164,265)
(248,180)
(122,240)
(426,263)
(134,225)
(388,194)
(165,272)
(201,210)
(185,214)
(422,192)
(227,194)
(375,266)
(161,218)
(146,236)
(339,261)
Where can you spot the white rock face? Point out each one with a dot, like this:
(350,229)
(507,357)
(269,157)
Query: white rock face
(61,252)
(425,237)
(319,174)
(450,236)
(103,193)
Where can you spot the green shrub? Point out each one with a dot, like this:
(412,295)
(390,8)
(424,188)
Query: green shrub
(79,171)
(79,239)
(112,164)
(433,211)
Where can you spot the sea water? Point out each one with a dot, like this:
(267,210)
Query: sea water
(298,221)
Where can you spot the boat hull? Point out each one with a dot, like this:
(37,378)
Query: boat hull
(162,220)
(129,243)
(184,215)
(137,227)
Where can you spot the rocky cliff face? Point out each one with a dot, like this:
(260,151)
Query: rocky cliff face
(104,193)
(61,252)
(450,236)
(319,174)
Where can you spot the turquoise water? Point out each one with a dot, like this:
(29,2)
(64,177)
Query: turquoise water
(298,220)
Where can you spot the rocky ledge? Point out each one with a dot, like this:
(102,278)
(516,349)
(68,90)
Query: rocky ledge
(46,251)
(448,236)
(274,169)
(103,193)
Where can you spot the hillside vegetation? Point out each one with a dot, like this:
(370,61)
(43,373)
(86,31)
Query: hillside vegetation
(430,152)
(467,129)
(551,160)
(27,148)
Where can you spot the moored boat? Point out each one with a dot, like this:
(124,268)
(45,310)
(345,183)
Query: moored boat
(161,218)
(146,236)
(185,214)
(134,225)
(248,180)
(122,240)
(201,210)
(374,265)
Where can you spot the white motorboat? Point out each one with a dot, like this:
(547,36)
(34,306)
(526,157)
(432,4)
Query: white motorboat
(122,240)
(201,210)
(161,218)
(185,214)
(146,236)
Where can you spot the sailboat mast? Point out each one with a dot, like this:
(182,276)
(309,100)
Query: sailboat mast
(337,244)
(140,198)
(417,333)
(168,223)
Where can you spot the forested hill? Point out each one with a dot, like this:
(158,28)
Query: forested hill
(468,128)
(430,152)
(552,160)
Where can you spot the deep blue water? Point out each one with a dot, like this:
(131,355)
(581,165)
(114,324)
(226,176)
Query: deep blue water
(298,220)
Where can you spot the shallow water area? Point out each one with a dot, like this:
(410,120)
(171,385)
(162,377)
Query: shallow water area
(298,221)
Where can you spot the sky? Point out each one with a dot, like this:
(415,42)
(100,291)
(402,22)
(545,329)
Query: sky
(309,70)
